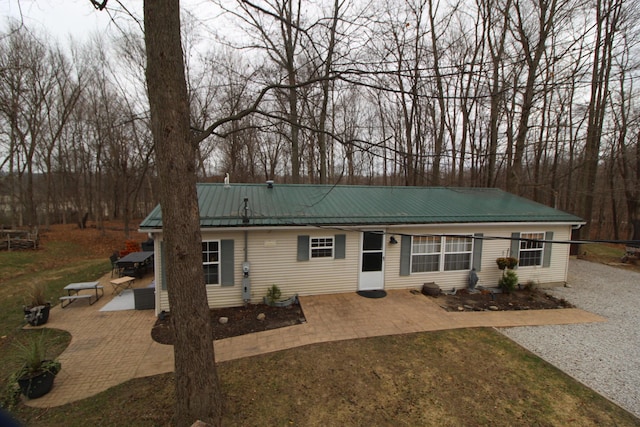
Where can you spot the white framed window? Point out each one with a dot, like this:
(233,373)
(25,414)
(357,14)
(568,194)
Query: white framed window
(531,249)
(457,253)
(436,253)
(425,253)
(321,247)
(211,262)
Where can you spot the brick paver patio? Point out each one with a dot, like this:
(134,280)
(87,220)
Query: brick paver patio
(109,348)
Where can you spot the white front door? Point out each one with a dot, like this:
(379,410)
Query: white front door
(372,261)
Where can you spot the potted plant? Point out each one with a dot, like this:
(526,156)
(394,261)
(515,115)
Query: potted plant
(507,262)
(36,313)
(36,375)
(273,298)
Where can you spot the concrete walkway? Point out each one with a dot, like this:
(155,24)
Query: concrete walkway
(109,348)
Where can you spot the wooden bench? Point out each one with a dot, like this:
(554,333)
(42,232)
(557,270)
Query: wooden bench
(71,298)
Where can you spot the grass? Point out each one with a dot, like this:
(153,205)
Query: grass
(14,291)
(611,254)
(447,378)
(605,251)
(457,377)
(59,264)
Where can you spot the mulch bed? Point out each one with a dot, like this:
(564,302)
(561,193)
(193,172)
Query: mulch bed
(525,299)
(241,320)
(244,320)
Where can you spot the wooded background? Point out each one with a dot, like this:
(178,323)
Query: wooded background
(533,96)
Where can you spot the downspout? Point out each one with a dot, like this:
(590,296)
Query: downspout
(246,281)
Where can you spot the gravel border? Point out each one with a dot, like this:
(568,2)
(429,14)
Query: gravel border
(604,356)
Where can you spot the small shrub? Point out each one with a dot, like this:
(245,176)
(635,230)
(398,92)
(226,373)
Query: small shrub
(273,294)
(129,247)
(508,281)
(10,393)
(531,285)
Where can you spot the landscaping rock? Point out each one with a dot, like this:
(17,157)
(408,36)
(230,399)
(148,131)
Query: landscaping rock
(493,308)
(223,320)
(261,316)
(517,300)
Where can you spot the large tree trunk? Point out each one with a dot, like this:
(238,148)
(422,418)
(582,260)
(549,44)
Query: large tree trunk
(197,388)
(322,136)
(608,13)
(440,125)
(533,54)
(496,50)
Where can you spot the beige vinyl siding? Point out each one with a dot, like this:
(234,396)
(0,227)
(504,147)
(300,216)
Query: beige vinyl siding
(444,279)
(217,295)
(273,258)
(272,255)
(489,273)
(556,273)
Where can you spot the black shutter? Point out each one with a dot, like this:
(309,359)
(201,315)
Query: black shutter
(477,251)
(546,256)
(515,245)
(405,256)
(303,248)
(339,241)
(227,267)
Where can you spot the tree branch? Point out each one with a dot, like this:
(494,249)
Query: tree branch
(203,134)
(98,5)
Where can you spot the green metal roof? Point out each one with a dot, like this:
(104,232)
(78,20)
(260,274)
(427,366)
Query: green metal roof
(290,204)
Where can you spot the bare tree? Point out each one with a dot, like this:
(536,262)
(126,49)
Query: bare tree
(325,71)
(496,33)
(625,157)
(439,122)
(608,15)
(37,95)
(533,43)
(282,46)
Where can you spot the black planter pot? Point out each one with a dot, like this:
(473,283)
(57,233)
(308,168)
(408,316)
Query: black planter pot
(38,385)
(38,315)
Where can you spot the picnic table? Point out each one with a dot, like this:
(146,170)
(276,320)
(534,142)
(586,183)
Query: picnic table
(73,292)
(121,283)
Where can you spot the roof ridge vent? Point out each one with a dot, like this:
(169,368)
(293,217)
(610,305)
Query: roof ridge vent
(270,183)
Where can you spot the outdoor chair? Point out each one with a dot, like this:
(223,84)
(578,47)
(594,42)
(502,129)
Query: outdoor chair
(114,263)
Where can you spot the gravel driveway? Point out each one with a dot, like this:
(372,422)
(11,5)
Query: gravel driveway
(604,356)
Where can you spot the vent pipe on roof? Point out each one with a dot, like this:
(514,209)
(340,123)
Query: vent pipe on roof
(270,184)
(245,216)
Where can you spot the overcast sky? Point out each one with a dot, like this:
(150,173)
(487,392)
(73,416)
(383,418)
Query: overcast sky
(79,19)
(60,17)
